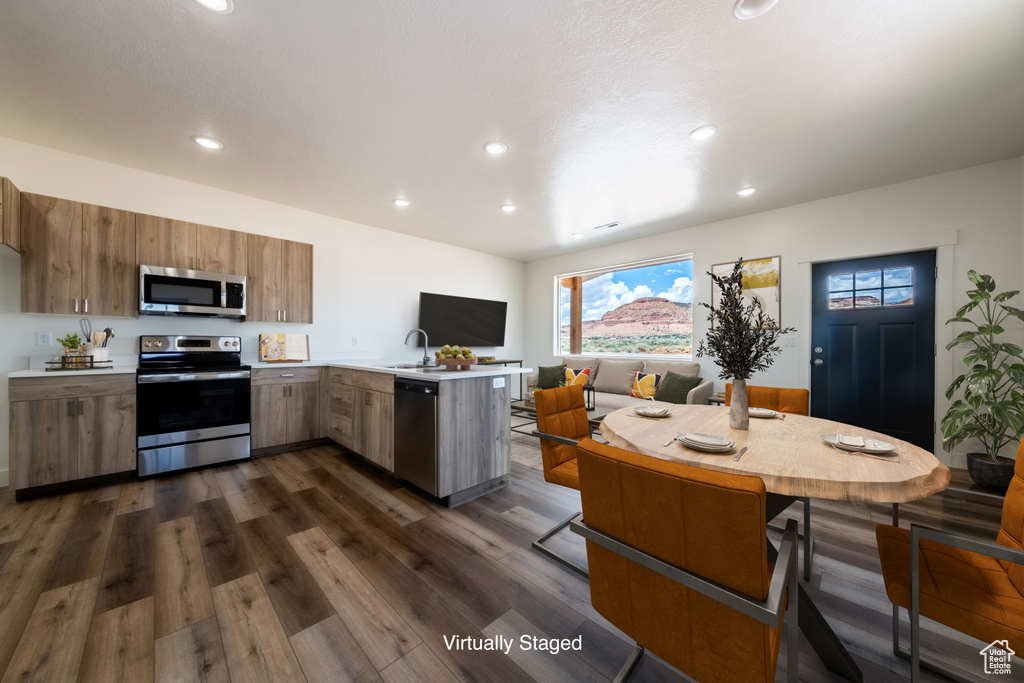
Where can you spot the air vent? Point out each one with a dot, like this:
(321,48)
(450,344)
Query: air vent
(607,226)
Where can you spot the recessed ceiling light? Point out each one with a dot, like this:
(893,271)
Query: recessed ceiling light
(219,6)
(401,203)
(508,208)
(703,133)
(208,143)
(752,9)
(746,191)
(495,148)
(577,235)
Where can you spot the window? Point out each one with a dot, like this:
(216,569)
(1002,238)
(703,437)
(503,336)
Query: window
(871,289)
(644,308)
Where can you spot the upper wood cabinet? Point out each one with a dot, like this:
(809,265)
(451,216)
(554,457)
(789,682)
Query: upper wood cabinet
(190,246)
(10,215)
(77,258)
(280,280)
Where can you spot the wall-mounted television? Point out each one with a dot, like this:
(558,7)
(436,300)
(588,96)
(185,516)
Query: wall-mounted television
(459,320)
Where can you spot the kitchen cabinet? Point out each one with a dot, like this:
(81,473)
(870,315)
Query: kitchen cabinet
(10,215)
(280,280)
(63,429)
(77,258)
(285,406)
(361,414)
(190,246)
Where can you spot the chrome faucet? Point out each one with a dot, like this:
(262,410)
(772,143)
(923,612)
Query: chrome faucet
(426,358)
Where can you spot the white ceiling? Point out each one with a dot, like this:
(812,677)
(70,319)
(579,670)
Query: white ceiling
(339,107)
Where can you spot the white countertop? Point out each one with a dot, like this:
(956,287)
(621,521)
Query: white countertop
(129,367)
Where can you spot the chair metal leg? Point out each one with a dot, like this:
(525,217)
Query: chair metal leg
(793,627)
(627,668)
(924,663)
(555,556)
(806,536)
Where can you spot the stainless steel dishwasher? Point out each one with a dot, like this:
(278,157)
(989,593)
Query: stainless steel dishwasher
(416,432)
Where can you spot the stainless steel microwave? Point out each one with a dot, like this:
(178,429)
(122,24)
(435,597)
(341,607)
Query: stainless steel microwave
(176,291)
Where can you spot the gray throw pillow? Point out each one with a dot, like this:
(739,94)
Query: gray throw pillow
(616,376)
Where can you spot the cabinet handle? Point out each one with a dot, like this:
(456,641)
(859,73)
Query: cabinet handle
(279,316)
(368,399)
(76,305)
(285,316)
(87,305)
(81,407)
(287,374)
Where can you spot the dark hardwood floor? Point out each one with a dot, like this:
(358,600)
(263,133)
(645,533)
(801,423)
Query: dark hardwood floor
(315,566)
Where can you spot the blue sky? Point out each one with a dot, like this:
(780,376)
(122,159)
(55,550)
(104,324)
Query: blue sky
(673,281)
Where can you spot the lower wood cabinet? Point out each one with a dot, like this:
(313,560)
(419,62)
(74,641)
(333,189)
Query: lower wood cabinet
(63,429)
(361,413)
(285,406)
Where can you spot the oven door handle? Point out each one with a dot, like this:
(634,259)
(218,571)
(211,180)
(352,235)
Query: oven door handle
(192,377)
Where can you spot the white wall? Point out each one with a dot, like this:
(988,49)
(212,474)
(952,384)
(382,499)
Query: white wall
(974,217)
(366,280)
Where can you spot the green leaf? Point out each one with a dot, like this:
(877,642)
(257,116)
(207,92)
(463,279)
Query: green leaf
(1015,312)
(970,306)
(959,319)
(973,276)
(1011,349)
(977,295)
(1006,295)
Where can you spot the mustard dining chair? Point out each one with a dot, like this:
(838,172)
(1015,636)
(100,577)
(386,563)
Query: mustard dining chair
(794,402)
(561,422)
(679,562)
(973,586)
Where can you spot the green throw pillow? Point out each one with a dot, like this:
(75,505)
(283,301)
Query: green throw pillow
(674,387)
(551,377)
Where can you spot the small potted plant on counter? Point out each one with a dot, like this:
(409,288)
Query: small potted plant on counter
(742,340)
(991,409)
(73,347)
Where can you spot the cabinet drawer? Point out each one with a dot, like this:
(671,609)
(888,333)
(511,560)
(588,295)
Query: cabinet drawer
(342,399)
(285,375)
(66,386)
(383,382)
(341,429)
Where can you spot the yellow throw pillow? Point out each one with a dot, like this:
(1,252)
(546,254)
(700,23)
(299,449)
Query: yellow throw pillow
(645,385)
(581,377)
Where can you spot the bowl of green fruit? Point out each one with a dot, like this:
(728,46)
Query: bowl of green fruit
(455,357)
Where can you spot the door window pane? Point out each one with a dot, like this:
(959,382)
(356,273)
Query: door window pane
(899,296)
(898,277)
(869,279)
(840,300)
(871,288)
(868,298)
(840,283)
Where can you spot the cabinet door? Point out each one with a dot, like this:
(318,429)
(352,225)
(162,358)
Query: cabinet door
(110,277)
(44,442)
(264,279)
(376,424)
(106,435)
(269,415)
(341,414)
(220,251)
(165,242)
(303,411)
(297,287)
(10,215)
(51,254)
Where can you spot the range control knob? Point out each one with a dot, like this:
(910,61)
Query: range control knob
(148,343)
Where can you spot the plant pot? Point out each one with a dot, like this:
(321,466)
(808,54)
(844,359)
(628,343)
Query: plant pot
(993,475)
(739,411)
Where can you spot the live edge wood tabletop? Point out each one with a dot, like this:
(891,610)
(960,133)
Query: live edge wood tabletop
(788,454)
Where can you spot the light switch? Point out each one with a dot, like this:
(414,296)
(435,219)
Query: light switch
(499,382)
(789,341)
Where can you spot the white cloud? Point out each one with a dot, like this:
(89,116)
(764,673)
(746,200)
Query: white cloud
(601,295)
(681,291)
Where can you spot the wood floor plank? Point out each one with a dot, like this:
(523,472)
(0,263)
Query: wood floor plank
(53,641)
(6,550)
(242,500)
(253,469)
(172,498)
(420,665)
(135,496)
(120,645)
(380,631)
(468,529)
(181,589)
(224,553)
(348,500)
(129,569)
(84,546)
(203,485)
(296,597)
(301,460)
(289,477)
(343,530)
(328,653)
(16,519)
(280,504)
(99,495)
(542,665)
(255,644)
(194,654)
(383,500)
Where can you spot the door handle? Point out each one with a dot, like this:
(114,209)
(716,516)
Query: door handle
(818,362)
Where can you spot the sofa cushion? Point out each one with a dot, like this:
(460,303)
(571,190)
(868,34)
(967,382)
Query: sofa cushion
(674,387)
(617,376)
(645,384)
(580,376)
(583,362)
(680,367)
(550,377)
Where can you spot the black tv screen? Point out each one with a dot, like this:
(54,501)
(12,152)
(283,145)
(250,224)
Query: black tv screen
(458,320)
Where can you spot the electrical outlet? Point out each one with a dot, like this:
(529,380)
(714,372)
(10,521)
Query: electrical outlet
(44,339)
(355,341)
(789,341)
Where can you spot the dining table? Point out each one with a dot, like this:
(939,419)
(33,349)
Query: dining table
(788,452)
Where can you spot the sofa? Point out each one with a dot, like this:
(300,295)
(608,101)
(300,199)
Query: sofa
(612,392)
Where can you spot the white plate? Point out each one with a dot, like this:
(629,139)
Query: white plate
(851,443)
(762,412)
(710,440)
(652,412)
(724,448)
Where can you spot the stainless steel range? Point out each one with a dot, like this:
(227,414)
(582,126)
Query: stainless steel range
(193,402)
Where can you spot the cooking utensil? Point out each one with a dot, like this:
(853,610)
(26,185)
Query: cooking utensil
(86,326)
(97,339)
(109,332)
(740,454)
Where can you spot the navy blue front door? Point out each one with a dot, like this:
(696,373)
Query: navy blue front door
(873,344)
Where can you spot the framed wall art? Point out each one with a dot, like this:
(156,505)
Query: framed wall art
(762,280)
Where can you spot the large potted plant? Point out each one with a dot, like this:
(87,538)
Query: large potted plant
(991,409)
(742,340)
